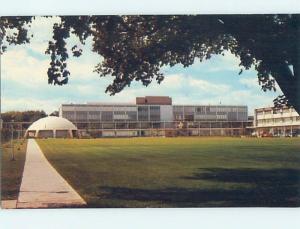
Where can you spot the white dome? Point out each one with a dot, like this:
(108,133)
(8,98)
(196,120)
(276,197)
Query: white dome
(52,123)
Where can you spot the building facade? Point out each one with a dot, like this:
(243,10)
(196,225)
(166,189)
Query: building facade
(156,116)
(277,122)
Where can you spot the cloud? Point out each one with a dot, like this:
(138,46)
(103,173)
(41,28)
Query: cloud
(82,68)
(23,104)
(252,99)
(173,80)
(219,63)
(20,67)
(86,89)
(183,88)
(250,82)
(208,87)
(253,83)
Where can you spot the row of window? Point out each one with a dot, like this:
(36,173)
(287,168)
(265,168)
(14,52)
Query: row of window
(208,109)
(143,114)
(153,114)
(176,108)
(278,120)
(162,125)
(231,116)
(278,111)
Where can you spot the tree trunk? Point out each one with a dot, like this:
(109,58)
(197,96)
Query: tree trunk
(289,84)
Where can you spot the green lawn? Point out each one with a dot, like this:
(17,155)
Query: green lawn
(180,172)
(11,171)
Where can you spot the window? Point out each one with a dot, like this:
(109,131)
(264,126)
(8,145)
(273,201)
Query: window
(108,126)
(178,116)
(242,116)
(189,112)
(178,109)
(221,117)
(188,117)
(107,116)
(69,115)
(119,112)
(154,113)
(81,115)
(211,117)
(121,125)
(132,115)
(94,115)
(120,116)
(143,112)
(287,119)
(189,109)
(200,110)
(232,116)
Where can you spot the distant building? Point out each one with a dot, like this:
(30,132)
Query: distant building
(277,122)
(156,116)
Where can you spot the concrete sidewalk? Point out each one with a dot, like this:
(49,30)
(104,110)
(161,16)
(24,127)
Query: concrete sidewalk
(42,186)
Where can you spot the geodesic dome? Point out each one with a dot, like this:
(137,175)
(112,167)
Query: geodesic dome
(51,127)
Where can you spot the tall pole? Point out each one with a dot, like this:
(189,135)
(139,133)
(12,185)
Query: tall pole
(18,134)
(12,143)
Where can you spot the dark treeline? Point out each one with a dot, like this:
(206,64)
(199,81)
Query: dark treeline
(22,116)
(18,129)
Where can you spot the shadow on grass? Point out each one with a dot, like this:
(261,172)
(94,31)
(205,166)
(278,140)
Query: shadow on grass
(269,188)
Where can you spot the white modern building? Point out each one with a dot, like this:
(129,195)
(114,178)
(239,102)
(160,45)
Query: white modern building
(155,116)
(277,122)
(51,127)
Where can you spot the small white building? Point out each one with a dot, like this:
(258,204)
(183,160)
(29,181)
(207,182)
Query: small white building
(52,127)
(277,122)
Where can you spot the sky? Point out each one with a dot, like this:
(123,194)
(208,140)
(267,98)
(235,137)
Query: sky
(24,83)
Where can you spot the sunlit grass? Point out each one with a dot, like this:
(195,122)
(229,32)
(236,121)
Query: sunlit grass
(180,172)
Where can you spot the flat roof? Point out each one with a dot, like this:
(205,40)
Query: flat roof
(133,104)
(271,108)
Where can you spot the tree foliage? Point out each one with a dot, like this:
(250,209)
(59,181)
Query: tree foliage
(22,116)
(11,122)
(137,47)
(54,113)
(13,30)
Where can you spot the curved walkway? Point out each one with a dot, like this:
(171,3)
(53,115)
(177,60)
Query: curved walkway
(42,186)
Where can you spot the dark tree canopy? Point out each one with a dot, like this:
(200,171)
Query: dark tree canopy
(136,47)
(54,113)
(22,116)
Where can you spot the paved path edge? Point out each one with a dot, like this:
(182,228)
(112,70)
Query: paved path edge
(79,203)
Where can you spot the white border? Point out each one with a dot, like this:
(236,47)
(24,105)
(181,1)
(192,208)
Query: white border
(89,7)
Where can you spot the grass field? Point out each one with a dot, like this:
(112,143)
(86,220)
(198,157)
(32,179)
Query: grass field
(11,171)
(180,172)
